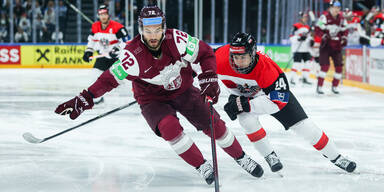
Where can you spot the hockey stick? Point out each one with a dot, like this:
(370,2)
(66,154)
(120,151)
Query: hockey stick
(79,12)
(32,139)
(97,56)
(213,145)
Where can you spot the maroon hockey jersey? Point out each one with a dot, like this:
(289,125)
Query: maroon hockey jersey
(157,79)
(332,30)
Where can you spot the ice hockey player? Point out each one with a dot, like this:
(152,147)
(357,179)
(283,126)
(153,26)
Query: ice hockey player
(300,46)
(258,86)
(331,27)
(158,62)
(106,38)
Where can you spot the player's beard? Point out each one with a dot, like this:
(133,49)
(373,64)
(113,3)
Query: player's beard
(153,44)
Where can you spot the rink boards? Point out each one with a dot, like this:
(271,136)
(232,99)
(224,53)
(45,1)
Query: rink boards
(364,67)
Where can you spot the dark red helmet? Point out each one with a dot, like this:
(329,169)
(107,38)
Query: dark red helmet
(151,15)
(243,43)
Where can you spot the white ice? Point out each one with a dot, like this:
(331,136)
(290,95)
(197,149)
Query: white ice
(120,153)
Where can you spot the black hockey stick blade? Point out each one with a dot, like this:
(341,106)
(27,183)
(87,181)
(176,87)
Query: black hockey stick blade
(32,139)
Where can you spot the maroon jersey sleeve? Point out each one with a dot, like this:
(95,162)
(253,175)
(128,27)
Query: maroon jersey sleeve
(206,57)
(105,83)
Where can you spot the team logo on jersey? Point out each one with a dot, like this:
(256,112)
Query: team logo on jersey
(104,42)
(248,90)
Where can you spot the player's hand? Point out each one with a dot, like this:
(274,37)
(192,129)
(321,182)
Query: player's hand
(87,55)
(344,41)
(302,38)
(236,105)
(114,52)
(209,85)
(76,106)
(324,40)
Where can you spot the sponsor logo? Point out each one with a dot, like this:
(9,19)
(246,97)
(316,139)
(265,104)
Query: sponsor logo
(10,55)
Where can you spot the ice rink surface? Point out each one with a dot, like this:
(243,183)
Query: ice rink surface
(120,153)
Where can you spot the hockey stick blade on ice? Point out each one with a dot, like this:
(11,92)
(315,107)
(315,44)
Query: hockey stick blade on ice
(32,139)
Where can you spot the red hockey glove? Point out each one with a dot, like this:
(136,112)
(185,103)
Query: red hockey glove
(236,105)
(209,85)
(76,106)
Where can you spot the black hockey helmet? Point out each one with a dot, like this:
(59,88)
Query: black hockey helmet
(151,15)
(103,9)
(243,43)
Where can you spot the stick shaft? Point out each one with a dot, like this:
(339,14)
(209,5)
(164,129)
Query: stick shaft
(213,147)
(91,120)
(79,12)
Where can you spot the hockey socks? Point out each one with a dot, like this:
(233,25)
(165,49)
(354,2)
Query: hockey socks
(320,141)
(181,143)
(226,140)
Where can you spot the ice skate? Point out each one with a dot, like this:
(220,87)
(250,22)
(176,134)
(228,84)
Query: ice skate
(293,82)
(344,163)
(335,90)
(206,172)
(250,165)
(319,90)
(273,162)
(306,81)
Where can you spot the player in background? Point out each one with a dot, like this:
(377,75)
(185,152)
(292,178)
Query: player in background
(158,62)
(300,46)
(331,27)
(107,38)
(315,50)
(377,23)
(258,86)
(353,22)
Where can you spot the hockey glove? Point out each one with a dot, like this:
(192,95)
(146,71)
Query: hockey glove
(87,55)
(209,85)
(114,52)
(302,38)
(344,41)
(236,105)
(76,106)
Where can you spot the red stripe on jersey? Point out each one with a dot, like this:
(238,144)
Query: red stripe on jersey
(229,83)
(256,136)
(322,142)
(279,104)
(113,42)
(306,70)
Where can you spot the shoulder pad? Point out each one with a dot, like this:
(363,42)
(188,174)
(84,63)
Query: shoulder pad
(187,45)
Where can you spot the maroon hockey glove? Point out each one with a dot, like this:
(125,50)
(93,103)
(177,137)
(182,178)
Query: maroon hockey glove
(209,85)
(76,106)
(236,105)
(344,41)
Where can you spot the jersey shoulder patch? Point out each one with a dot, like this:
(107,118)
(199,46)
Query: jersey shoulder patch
(187,45)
